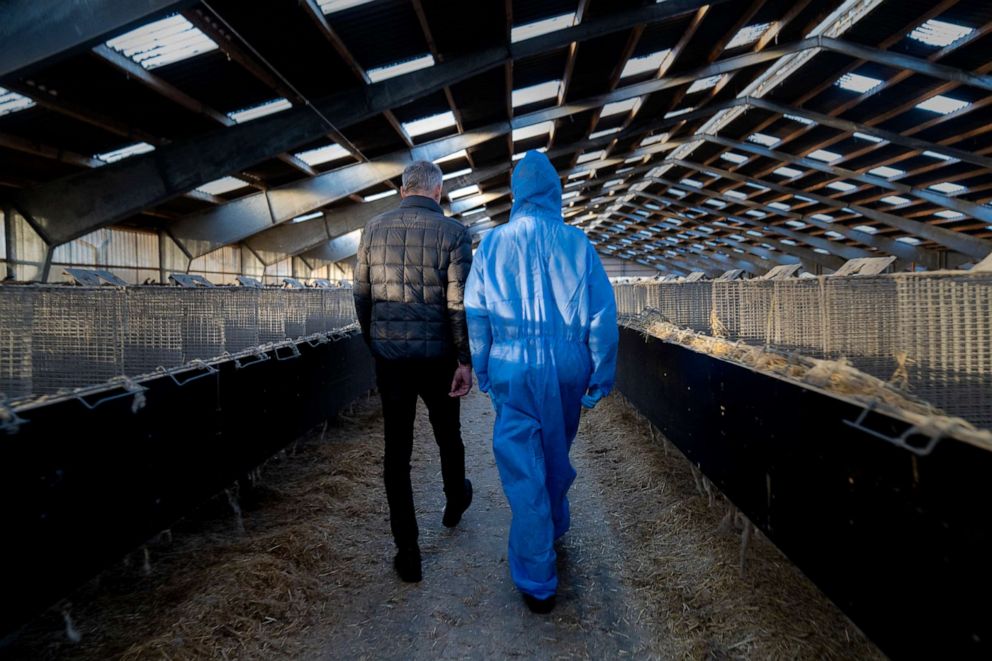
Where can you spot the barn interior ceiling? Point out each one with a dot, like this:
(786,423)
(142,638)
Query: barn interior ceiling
(690,135)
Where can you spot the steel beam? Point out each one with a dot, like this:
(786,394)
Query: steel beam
(237,220)
(35,33)
(964,206)
(923,256)
(847,252)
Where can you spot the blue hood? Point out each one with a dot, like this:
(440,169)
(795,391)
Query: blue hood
(536,187)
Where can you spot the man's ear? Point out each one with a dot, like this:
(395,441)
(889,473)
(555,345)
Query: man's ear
(437,193)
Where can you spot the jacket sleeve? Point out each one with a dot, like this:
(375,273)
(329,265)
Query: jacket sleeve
(458,270)
(479,331)
(363,288)
(603,333)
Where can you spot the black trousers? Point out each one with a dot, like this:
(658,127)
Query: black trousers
(400,383)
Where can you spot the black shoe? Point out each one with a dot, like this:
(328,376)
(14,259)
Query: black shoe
(540,606)
(407,564)
(452,515)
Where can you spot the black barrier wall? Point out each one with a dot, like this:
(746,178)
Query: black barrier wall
(84,480)
(899,541)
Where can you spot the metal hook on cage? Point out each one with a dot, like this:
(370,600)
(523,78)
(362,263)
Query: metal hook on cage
(902,440)
(129,387)
(208,370)
(294,352)
(258,356)
(315,341)
(10,422)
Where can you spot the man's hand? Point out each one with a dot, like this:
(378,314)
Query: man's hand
(462,383)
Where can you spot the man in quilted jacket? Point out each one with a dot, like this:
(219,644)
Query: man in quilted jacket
(409,286)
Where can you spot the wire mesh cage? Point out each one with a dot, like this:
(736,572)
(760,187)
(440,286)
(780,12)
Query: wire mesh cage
(55,337)
(77,337)
(153,333)
(932,332)
(16,321)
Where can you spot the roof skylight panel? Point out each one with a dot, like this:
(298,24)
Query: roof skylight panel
(841,186)
(867,229)
(603,133)
(307,216)
(324,154)
(719,204)
(452,157)
(762,139)
(895,200)
(911,240)
(379,196)
(854,82)
(536,93)
(692,182)
(222,185)
(651,62)
(939,33)
(948,188)
(801,120)
(332,6)
(887,172)
(733,157)
(544,26)
(261,110)
(591,156)
(868,138)
(787,172)
(704,84)
(430,124)
(162,42)
(680,111)
(11,102)
(781,206)
(939,156)
(653,139)
(456,173)
(125,152)
(943,105)
(748,35)
(822,217)
(735,194)
(949,215)
(619,107)
(400,68)
(824,155)
(533,131)
(755,213)
(464,192)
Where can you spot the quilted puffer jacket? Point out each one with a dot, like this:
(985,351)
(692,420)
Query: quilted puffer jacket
(410,281)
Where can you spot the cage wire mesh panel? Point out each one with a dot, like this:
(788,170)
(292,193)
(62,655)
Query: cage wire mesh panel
(240,314)
(272,306)
(16,319)
(945,328)
(203,324)
(931,331)
(77,337)
(153,333)
(54,337)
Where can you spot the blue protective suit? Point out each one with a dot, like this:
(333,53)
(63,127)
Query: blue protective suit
(543,332)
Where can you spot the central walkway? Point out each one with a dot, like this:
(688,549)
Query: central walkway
(647,570)
(467,606)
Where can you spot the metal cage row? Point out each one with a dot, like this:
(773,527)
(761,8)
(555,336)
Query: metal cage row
(53,338)
(932,330)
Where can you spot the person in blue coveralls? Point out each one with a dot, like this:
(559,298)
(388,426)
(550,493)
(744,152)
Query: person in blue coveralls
(543,334)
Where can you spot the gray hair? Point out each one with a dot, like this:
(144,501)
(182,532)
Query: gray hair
(421,177)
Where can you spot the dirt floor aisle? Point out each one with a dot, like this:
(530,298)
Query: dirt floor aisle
(646,571)
(467,605)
